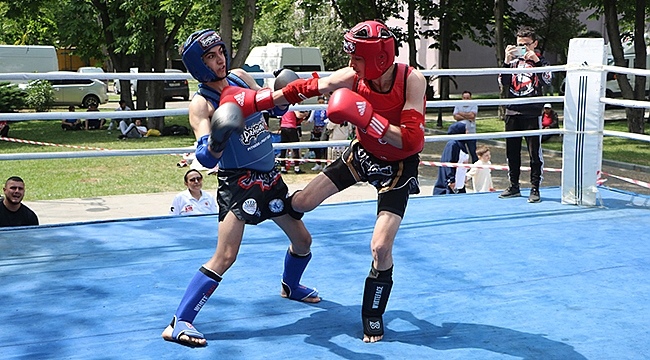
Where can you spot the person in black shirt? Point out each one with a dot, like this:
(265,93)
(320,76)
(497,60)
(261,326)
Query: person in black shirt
(12,211)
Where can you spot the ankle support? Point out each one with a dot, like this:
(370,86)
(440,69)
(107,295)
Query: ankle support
(375,298)
(201,287)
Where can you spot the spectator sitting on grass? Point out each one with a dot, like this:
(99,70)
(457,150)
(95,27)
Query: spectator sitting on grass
(71,124)
(91,124)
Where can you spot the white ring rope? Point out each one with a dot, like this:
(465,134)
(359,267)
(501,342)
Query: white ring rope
(258,75)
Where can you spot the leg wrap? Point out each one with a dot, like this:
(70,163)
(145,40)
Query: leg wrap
(203,284)
(375,298)
(294,266)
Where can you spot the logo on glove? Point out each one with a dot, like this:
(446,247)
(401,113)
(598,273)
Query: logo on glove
(361,107)
(239,98)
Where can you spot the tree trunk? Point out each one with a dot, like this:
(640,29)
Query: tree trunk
(246,37)
(156,96)
(634,116)
(225,27)
(413,51)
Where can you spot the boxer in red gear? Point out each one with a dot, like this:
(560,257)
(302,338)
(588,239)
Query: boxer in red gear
(386,102)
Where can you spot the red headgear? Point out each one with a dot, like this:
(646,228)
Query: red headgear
(374,42)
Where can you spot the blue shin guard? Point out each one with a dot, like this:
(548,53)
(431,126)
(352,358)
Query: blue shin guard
(203,284)
(375,298)
(294,266)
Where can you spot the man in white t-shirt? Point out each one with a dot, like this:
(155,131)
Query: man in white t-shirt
(115,121)
(467,114)
(133,130)
(193,201)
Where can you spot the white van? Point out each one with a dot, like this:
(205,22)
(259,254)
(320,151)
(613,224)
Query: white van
(276,56)
(613,90)
(27,59)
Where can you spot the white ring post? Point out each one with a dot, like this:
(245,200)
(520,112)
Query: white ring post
(583,121)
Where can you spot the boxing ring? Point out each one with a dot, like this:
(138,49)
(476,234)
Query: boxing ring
(476,277)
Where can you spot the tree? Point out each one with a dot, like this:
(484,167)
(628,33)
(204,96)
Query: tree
(635,122)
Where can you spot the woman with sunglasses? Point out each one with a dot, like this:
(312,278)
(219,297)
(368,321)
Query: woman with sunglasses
(193,201)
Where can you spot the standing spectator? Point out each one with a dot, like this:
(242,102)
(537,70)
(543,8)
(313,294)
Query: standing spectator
(549,120)
(467,114)
(71,124)
(336,131)
(524,116)
(451,180)
(116,121)
(4,129)
(289,133)
(91,124)
(319,117)
(194,200)
(482,177)
(12,211)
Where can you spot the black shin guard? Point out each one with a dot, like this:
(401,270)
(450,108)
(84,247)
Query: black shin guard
(375,298)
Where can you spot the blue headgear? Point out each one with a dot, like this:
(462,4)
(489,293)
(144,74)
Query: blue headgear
(195,47)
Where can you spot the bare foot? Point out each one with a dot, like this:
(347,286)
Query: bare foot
(311,300)
(372,339)
(183,339)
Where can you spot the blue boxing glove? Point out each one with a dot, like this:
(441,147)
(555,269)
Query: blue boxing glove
(203,155)
(282,78)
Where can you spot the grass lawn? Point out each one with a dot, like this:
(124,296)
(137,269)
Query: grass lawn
(617,149)
(93,177)
(90,177)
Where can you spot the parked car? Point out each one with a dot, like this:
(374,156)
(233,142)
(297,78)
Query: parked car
(176,88)
(101,75)
(78,92)
(172,88)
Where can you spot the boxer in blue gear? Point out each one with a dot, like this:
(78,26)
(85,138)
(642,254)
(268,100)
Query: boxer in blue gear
(242,149)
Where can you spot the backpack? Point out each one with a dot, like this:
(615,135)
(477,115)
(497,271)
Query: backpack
(175,130)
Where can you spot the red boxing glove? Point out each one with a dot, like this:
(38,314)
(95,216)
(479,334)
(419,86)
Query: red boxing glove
(250,101)
(346,105)
(301,89)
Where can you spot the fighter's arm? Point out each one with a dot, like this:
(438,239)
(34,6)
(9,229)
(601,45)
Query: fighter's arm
(303,89)
(410,133)
(200,111)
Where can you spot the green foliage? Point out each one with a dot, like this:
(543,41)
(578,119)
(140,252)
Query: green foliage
(11,97)
(40,95)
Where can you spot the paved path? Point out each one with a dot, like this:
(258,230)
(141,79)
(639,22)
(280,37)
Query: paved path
(145,205)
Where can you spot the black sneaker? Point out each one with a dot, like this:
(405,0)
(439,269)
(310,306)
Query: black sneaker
(534,196)
(510,192)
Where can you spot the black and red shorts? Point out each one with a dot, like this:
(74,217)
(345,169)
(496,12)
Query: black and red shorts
(253,196)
